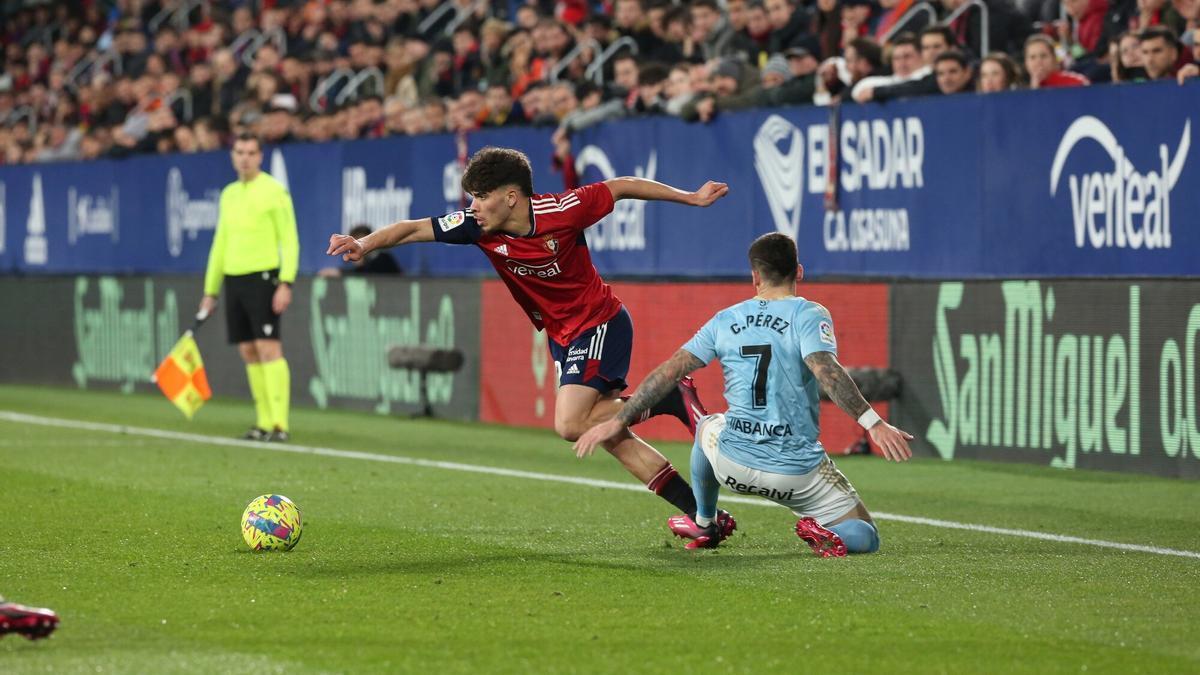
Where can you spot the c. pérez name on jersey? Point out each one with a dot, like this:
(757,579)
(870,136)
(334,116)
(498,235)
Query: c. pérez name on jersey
(752,428)
(762,320)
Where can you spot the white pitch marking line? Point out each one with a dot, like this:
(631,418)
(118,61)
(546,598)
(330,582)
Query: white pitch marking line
(22,418)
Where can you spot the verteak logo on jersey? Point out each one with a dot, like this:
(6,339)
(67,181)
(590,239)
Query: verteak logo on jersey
(781,171)
(452,220)
(91,214)
(544,271)
(186,215)
(502,249)
(550,243)
(625,228)
(1124,207)
(36,248)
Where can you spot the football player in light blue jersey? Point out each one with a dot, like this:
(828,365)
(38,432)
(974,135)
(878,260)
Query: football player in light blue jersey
(775,349)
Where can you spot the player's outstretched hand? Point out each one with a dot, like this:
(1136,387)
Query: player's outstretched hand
(595,436)
(710,192)
(892,441)
(346,246)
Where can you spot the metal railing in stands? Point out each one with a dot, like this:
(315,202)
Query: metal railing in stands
(595,71)
(984,37)
(571,56)
(920,8)
(239,43)
(177,15)
(87,66)
(434,17)
(327,82)
(26,111)
(351,88)
(463,16)
(275,35)
(185,95)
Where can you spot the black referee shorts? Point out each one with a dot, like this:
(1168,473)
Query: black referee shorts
(248,313)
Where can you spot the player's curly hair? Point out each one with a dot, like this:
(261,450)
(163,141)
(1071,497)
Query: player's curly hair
(493,167)
(774,256)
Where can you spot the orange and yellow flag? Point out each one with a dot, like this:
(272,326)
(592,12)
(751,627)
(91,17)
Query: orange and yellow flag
(181,376)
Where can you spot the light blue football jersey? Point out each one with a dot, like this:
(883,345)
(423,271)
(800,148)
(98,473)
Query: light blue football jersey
(773,418)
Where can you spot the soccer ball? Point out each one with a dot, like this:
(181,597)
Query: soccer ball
(272,523)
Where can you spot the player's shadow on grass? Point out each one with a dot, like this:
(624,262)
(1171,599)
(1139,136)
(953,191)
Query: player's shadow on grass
(656,559)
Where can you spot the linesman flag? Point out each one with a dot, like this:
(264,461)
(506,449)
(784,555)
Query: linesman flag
(181,376)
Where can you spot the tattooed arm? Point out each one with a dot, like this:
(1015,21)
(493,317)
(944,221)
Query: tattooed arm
(842,390)
(837,383)
(656,385)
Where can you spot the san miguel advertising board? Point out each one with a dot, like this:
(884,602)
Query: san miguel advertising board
(110,332)
(1070,374)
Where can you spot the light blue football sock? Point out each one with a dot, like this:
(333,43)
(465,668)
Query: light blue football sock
(859,536)
(704,486)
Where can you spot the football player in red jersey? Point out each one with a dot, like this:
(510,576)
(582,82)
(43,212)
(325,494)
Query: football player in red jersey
(537,245)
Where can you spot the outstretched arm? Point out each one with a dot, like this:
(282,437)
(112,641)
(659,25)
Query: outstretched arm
(628,187)
(842,390)
(656,385)
(396,234)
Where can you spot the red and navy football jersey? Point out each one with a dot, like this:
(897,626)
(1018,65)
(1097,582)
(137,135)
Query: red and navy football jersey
(548,270)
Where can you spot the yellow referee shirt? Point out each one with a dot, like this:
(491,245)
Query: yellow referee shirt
(256,231)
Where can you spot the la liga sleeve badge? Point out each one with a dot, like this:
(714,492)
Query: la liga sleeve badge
(452,220)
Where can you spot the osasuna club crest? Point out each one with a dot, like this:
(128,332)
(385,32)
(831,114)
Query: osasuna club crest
(550,243)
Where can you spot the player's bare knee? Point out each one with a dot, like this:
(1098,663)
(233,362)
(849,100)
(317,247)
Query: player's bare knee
(569,430)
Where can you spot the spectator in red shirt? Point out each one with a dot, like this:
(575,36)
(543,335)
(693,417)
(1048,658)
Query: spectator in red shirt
(1088,19)
(1156,13)
(1045,71)
(892,11)
(856,16)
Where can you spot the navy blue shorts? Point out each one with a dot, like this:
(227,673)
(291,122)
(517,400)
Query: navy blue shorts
(599,357)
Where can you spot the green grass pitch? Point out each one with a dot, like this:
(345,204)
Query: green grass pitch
(135,541)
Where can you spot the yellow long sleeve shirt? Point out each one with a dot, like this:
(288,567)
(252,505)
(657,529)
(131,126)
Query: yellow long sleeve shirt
(256,231)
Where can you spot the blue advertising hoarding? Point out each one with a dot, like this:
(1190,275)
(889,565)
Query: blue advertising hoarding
(1097,181)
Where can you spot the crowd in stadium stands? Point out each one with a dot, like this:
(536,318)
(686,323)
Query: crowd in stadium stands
(113,78)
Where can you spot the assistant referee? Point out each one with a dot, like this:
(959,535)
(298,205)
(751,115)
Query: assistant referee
(256,252)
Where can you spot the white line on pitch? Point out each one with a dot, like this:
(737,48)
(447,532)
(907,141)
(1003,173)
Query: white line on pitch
(532,475)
